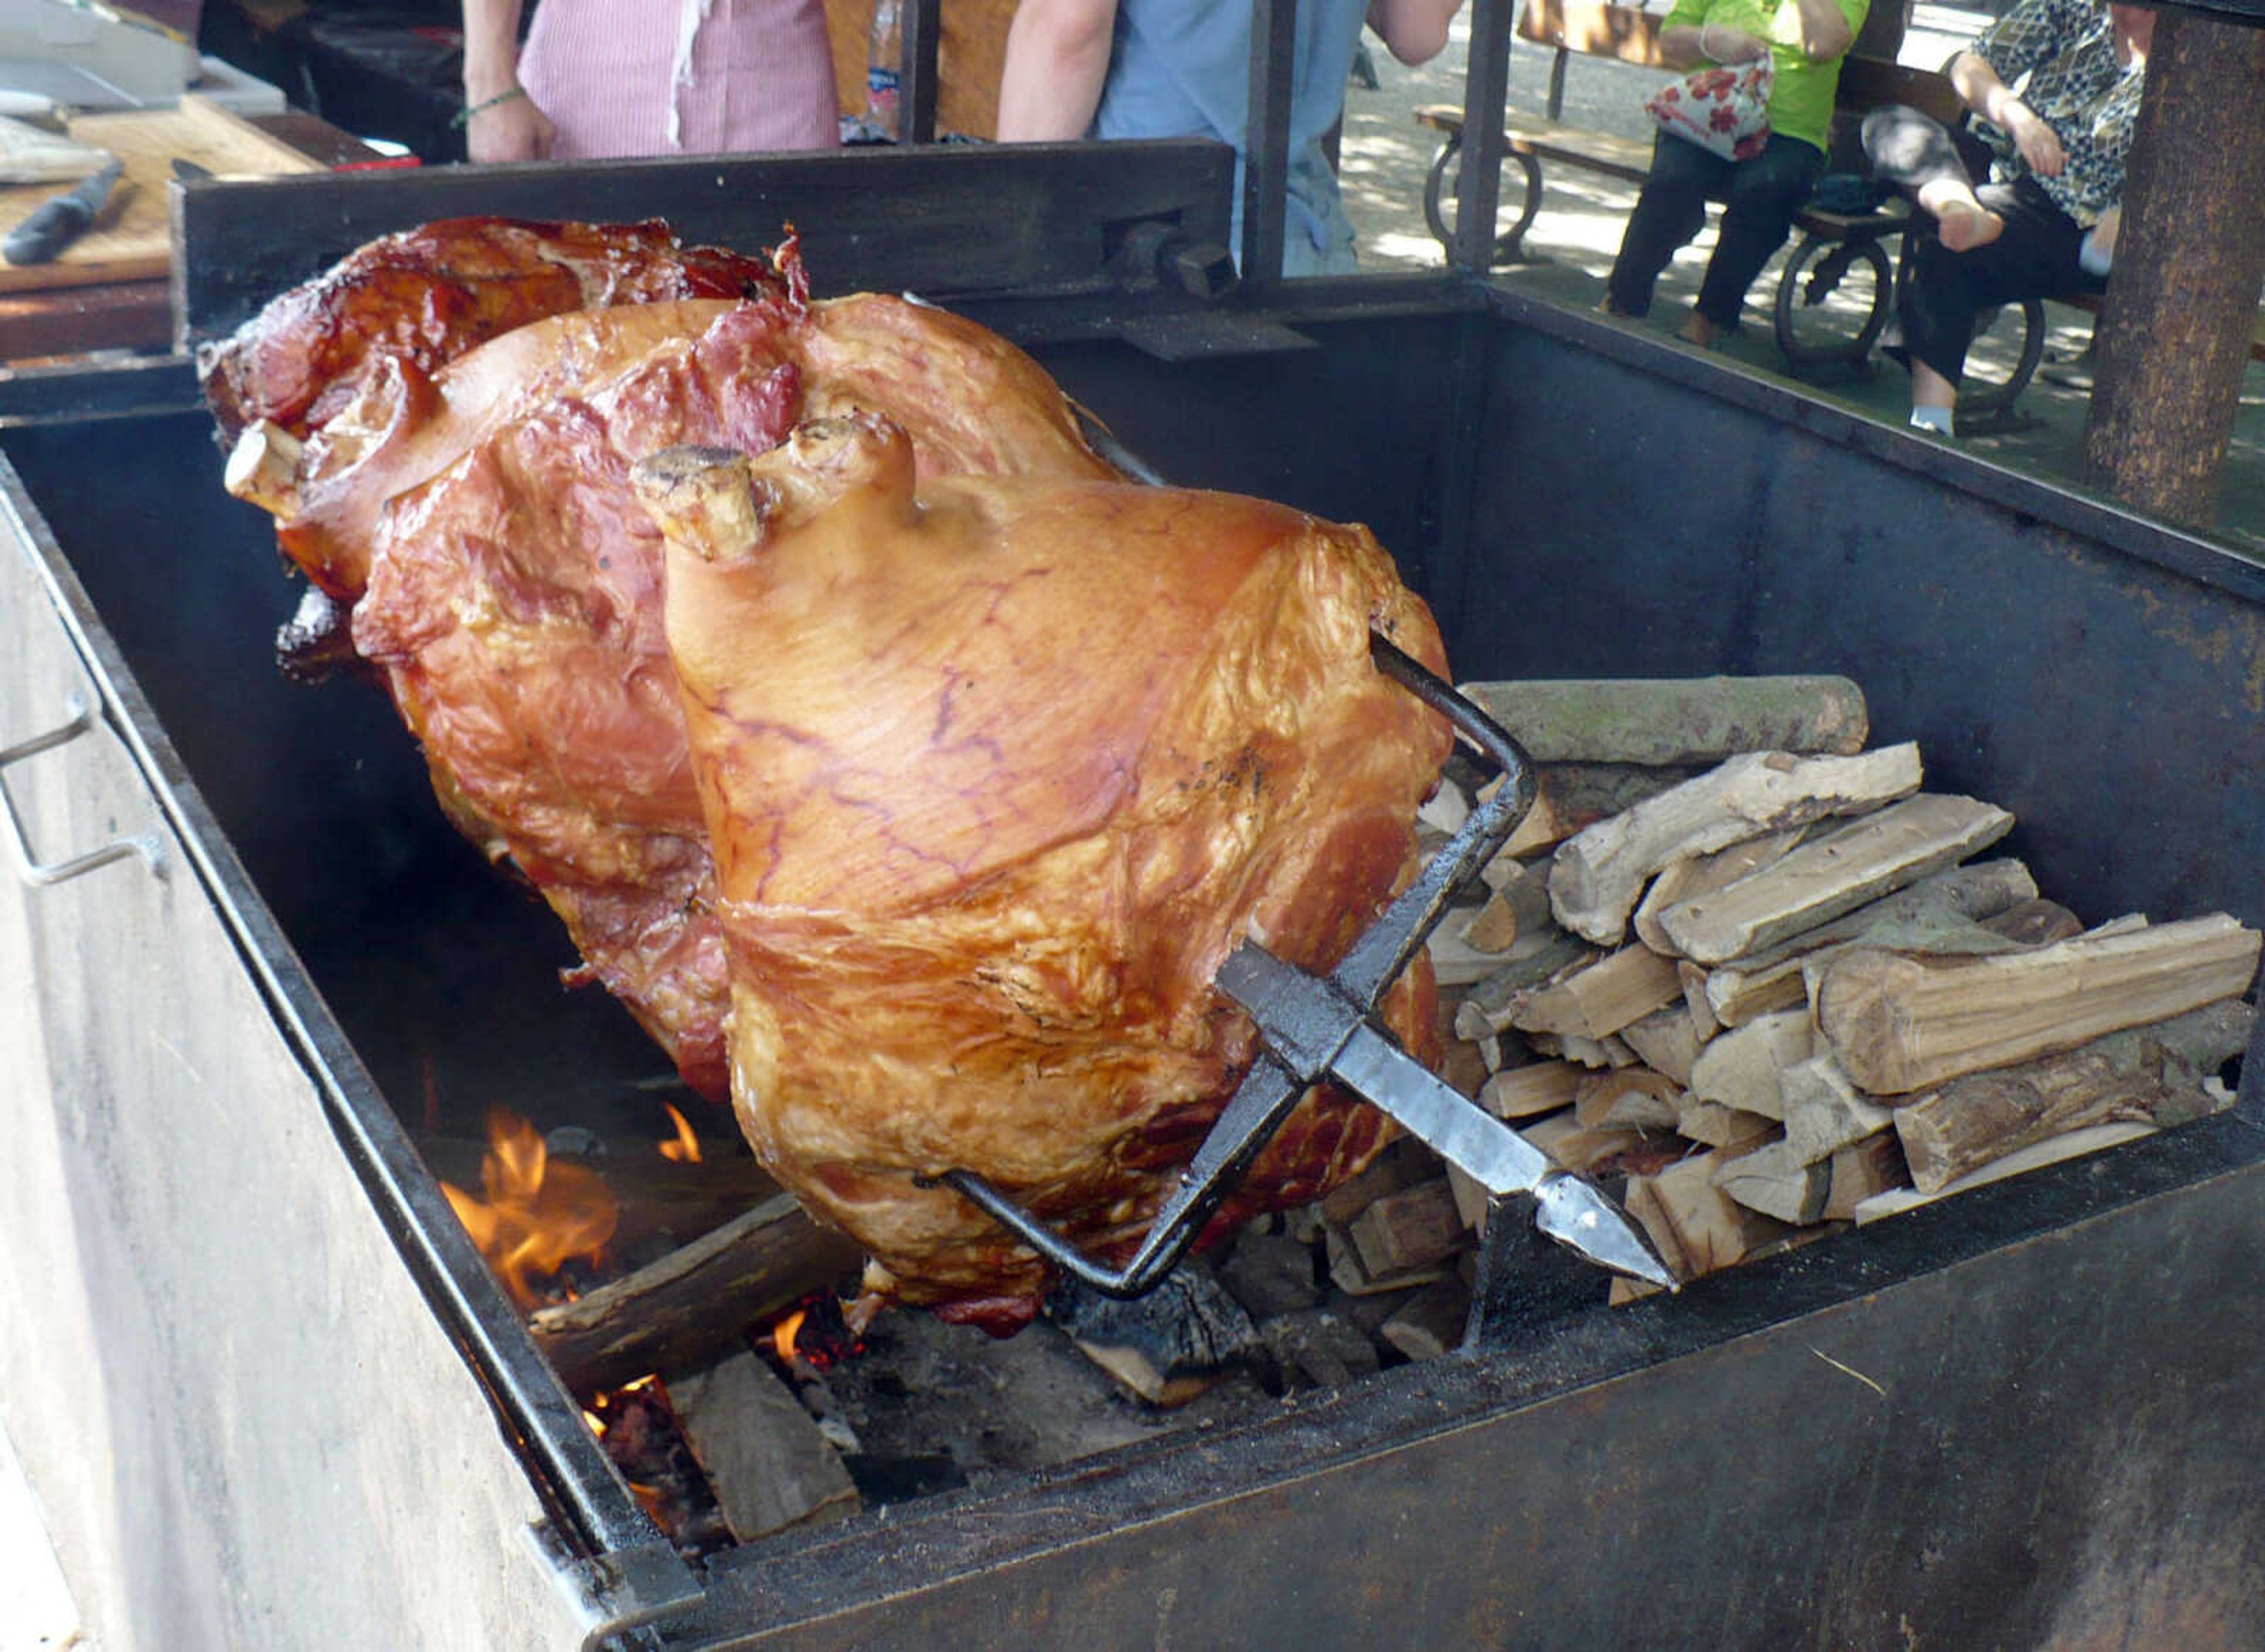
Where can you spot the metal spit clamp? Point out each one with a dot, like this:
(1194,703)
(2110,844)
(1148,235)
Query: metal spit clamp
(1314,1027)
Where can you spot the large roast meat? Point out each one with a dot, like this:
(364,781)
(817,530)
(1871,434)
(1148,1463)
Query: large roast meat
(474,518)
(999,754)
(996,770)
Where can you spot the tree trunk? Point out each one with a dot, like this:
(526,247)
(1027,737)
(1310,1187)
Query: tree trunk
(2182,301)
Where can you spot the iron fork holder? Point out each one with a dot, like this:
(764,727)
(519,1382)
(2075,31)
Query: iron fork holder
(1270,1091)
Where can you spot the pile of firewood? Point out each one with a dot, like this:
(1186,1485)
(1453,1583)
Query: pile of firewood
(1754,967)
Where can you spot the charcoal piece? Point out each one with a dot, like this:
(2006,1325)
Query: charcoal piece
(1166,1347)
(1270,1274)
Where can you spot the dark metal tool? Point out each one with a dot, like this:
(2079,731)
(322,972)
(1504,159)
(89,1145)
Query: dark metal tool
(1315,1027)
(54,224)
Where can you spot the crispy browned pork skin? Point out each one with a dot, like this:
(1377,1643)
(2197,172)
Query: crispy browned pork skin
(996,770)
(427,295)
(476,523)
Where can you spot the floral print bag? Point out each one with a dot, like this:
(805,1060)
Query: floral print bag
(1724,109)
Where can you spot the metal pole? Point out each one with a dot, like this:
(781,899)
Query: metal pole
(1266,137)
(1485,90)
(920,35)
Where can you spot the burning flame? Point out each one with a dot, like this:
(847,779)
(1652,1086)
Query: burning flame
(536,1215)
(685,1149)
(786,1331)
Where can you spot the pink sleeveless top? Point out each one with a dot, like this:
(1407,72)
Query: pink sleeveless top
(622,78)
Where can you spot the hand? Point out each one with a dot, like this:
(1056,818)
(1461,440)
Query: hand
(515,130)
(2038,144)
(1724,45)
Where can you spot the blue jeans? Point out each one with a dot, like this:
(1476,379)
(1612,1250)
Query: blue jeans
(1759,199)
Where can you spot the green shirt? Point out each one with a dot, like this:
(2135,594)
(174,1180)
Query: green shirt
(1800,98)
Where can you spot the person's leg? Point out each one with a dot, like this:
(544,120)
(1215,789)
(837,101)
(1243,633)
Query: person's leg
(1915,153)
(1940,290)
(1757,212)
(1669,212)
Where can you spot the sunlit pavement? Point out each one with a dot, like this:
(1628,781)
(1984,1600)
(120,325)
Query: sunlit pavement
(1384,156)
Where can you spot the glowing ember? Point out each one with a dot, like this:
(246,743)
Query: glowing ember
(536,1216)
(784,1332)
(685,1149)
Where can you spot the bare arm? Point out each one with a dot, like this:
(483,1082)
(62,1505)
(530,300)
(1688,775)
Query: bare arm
(1057,59)
(1685,46)
(513,129)
(1991,99)
(1825,31)
(1413,31)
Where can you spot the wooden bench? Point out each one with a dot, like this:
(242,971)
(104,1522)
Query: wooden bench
(1833,246)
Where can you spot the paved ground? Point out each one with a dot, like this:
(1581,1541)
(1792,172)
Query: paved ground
(1385,156)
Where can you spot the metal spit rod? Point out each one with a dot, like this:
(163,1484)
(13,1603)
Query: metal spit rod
(1315,1027)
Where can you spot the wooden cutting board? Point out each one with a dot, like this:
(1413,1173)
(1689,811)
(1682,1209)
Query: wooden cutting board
(132,241)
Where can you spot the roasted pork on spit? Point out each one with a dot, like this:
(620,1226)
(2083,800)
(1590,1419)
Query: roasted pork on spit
(997,770)
(475,522)
(998,756)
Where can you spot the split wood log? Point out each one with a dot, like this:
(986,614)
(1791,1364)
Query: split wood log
(1663,721)
(1569,797)
(1629,1098)
(1870,1167)
(1773,1180)
(1667,1040)
(695,1300)
(1487,1005)
(1611,1050)
(1704,1021)
(1832,875)
(1432,1322)
(2074,1144)
(1531,1090)
(2035,923)
(1596,877)
(1167,1347)
(765,1459)
(1932,915)
(1599,999)
(1409,1231)
(1702,875)
(1824,1112)
(1693,1225)
(1573,1146)
(1319,1349)
(1715,1125)
(1401,1165)
(1351,1275)
(2153,1074)
(1743,1068)
(1493,928)
(1897,1023)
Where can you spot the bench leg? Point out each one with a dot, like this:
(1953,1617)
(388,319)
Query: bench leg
(1508,247)
(1815,271)
(1994,402)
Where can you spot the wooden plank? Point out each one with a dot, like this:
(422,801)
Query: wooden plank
(1629,34)
(1595,878)
(1832,875)
(1897,1023)
(130,240)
